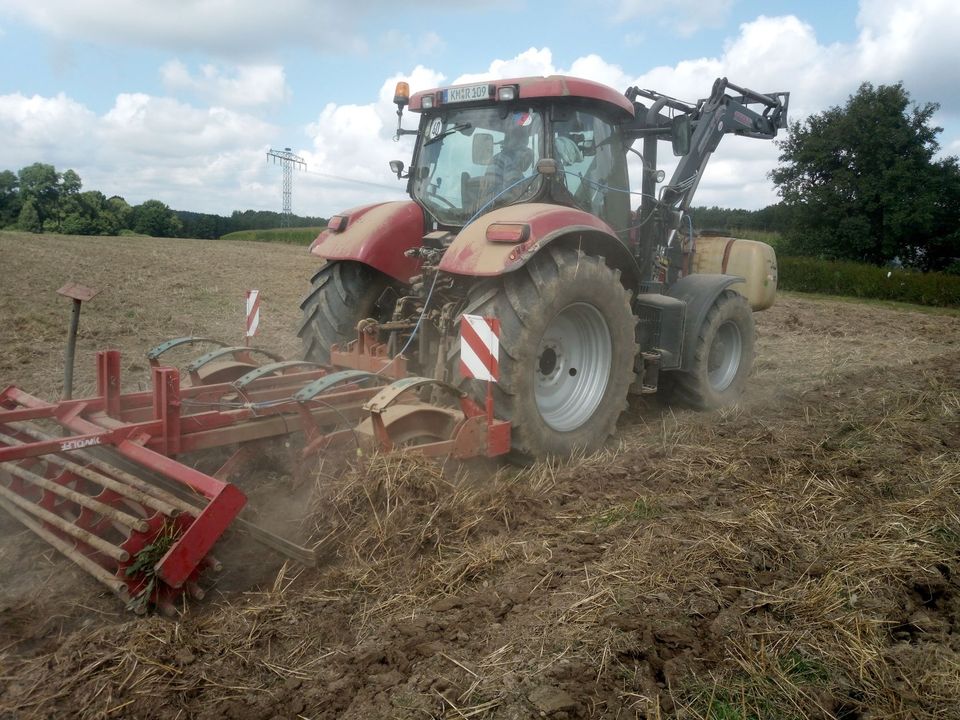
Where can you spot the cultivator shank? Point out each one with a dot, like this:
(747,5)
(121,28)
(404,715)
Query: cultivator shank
(100,480)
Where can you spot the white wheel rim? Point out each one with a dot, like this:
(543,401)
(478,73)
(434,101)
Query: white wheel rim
(572,367)
(723,361)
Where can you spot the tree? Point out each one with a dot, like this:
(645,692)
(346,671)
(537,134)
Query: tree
(9,199)
(156,219)
(86,214)
(859,182)
(29,219)
(41,184)
(117,215)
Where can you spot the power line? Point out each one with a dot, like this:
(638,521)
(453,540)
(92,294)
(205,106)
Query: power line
(395,188)
(287,162)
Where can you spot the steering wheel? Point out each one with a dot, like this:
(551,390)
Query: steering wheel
(441,198)
(568,152)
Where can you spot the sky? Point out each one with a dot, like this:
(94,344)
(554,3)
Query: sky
(181,100)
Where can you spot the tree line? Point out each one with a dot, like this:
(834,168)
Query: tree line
(38,198)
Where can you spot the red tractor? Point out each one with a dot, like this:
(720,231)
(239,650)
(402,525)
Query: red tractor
(521,210)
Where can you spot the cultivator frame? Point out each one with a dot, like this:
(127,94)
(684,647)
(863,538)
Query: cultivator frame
(100,480)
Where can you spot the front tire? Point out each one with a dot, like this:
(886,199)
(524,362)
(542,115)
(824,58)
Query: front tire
(723,357)
(567,350)
(342,293)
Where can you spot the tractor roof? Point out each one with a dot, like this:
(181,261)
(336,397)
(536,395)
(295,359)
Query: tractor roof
(553,86)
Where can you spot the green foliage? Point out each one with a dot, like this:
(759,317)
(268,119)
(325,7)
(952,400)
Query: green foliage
(294,236)
(205,225)
(773,692)
(40,184)
(641,509)
(58,205)
(9,199)
(806,274)
(156,219)
(29,218)
(860,183)
(736,222)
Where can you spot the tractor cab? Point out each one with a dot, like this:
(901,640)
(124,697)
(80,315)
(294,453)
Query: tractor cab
(484,146)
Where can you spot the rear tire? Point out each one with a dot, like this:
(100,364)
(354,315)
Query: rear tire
(723,357)
(342,294)
(567,349)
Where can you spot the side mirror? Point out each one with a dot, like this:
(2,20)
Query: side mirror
(680,132)
(397,167)
(482,148)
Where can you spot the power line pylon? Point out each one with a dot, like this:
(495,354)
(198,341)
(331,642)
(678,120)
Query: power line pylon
(287,161)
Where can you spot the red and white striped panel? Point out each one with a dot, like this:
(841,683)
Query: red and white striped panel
(480,348)
(253,312)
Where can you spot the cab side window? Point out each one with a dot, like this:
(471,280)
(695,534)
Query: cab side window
(590,156)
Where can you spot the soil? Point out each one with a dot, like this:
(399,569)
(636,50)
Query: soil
(795,556)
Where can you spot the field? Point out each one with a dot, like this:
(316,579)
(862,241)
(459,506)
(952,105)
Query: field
(796,556)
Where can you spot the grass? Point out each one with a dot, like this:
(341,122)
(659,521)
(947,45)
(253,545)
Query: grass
(874,302)
(640,509)
(294,236)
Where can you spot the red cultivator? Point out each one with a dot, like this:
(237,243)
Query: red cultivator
(98,477)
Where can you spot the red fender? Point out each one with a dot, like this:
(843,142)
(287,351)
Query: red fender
(472,254)
(376,235)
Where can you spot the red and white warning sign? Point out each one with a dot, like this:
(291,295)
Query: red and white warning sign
(253,312)
(480,348)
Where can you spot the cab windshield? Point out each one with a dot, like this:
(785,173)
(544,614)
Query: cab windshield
(477,159)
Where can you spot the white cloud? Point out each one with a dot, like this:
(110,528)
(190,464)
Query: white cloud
(684,16)
(915,43)
(529,62)
(143,147)
(231,28)
(245,86)
(35,128)
(427,43)
(356,142)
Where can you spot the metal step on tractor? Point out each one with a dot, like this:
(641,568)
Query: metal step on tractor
(520,214)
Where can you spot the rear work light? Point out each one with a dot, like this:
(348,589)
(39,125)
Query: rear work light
(508,232)
(338,223)
(426,102)
(507,93)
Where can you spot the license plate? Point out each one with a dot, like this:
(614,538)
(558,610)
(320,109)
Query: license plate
(467,93)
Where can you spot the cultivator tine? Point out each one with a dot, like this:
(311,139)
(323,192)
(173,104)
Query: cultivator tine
(322,385)
(154,354)
(212,367)
(275,368)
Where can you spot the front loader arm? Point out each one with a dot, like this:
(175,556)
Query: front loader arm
(696,131)
(711,119)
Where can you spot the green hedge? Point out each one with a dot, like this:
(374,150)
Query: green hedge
(295,236)
(831,277)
